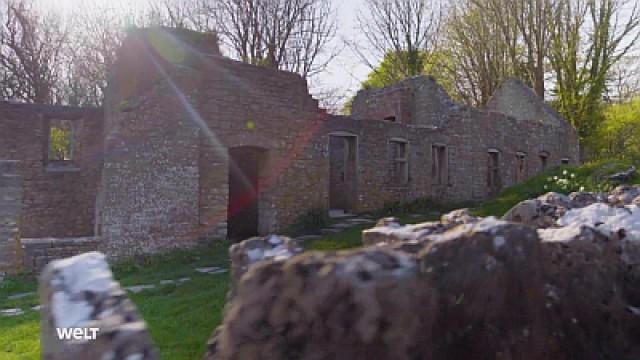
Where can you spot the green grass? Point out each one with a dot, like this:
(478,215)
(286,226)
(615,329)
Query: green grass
(182,317)
(591,175)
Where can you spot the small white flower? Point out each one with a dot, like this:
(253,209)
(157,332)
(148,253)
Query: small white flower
(564,172)
(581,188)
(555,178)
(573,176)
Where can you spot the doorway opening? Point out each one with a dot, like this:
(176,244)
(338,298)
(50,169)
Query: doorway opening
(243,210)
(342,174)
(494,181)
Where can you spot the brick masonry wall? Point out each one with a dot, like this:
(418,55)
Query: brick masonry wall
(10,209)
(58,202)
(37,253)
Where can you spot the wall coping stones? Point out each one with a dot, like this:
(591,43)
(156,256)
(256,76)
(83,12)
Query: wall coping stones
(55,242)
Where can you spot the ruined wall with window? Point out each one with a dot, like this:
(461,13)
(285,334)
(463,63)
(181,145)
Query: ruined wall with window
(474,153)
(195,145)
(60,149)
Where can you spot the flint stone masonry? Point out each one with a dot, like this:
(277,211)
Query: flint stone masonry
(10,212)
(251,251)
(183,128)
(80,292)
(484,286)
(37,253)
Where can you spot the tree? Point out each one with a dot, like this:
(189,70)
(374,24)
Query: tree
(291,35)
(589,38)
(197,15)
(401,32)
(388,73)
(481,57)
(32,47)
(619,134)
(525,29)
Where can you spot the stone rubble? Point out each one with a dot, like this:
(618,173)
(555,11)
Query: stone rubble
(558,277)
(80,292)
(257,249)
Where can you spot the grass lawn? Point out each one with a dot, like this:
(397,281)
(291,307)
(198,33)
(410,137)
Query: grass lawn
(182,317)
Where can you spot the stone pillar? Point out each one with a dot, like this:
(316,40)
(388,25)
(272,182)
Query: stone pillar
(10,210)
(79,295)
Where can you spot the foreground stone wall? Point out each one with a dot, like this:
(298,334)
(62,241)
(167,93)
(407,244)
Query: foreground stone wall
(539,286)
(80,293)
(10,212)
(57,201)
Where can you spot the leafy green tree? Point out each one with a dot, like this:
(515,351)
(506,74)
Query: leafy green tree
(619,134)
(60,144)
(391,69)
(588,39)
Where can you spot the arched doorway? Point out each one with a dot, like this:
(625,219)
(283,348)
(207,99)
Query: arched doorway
(243,211)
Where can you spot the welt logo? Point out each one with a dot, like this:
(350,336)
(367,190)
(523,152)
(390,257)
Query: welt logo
(77,333)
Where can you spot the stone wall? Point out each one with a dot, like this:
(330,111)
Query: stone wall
(165,179)
(375,185)
(37,253)
(10,211)
(80,294)
(468,134)
(174,118)
(58,201)
(148,197)
(460,288)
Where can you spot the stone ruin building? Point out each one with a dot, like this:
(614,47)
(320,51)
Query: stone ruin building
(192,144)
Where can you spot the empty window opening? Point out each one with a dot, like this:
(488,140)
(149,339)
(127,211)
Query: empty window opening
(439,164)
(494,182)
(564,161)
(399,161)
(544,160)
(61,140)
(390,118)
(521,166)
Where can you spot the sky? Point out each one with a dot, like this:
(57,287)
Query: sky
(345,72)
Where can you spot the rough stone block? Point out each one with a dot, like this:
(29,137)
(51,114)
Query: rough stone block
(80,293)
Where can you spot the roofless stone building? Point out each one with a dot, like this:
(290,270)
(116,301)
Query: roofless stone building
(191,143)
